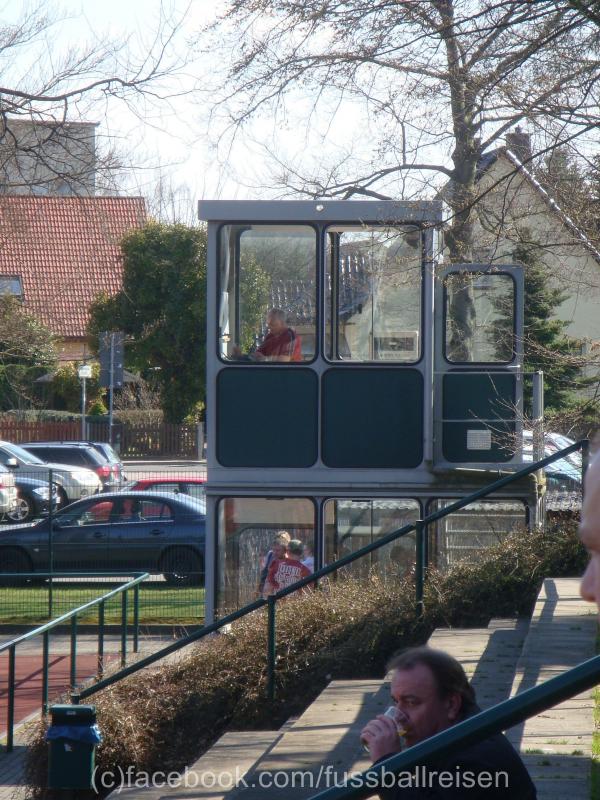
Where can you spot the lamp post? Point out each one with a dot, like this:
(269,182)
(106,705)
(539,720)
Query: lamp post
(84,372)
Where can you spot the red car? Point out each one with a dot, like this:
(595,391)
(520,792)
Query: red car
(184,484)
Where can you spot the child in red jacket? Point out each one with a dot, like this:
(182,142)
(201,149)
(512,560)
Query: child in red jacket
(285,571)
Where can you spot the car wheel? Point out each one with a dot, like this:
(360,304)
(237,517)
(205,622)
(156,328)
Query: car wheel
(22,512)
(182,566)
(13,560)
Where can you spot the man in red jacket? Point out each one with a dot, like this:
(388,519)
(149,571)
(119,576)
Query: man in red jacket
(281,343)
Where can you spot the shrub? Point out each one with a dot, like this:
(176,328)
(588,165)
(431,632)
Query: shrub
(347,629)
(97,409)
(40,415)
(66,387)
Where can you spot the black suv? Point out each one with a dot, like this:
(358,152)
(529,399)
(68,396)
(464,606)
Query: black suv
(97,456)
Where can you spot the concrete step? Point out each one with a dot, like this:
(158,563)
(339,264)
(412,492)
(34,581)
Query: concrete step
(557,744)
(488,655)
(322,745)
(215,774)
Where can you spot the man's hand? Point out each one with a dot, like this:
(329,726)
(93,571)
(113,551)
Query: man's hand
(381,737)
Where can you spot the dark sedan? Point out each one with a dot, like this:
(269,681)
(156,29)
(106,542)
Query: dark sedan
(158,532)
(33,500)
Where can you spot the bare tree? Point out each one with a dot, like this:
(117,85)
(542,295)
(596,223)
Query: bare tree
(444,78)
(48,97)
(444,81)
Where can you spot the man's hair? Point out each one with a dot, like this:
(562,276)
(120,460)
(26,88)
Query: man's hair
(296,547)
(282,537)
(277,313)
(447,671)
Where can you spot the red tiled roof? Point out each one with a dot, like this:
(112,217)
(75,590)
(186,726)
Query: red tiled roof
(66,251)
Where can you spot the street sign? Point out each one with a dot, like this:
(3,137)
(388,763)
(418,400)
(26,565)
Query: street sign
(85,371)
(111,354)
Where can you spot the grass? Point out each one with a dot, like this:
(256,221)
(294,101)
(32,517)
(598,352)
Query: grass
(595,771)
(159,603)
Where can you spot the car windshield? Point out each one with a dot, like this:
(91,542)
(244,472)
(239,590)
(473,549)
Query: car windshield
(106,450)
(21,454)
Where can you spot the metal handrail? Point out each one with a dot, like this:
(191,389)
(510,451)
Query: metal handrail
(71,616)
(418,526)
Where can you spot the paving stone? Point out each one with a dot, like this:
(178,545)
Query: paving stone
(562,634)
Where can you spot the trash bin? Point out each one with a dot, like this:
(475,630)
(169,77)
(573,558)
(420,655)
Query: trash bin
(72,738)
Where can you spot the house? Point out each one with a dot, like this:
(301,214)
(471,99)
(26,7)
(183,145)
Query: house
(514,207)
(48,157)
(58,253)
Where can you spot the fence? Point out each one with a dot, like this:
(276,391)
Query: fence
(154,440)
(97,606)
(162,534)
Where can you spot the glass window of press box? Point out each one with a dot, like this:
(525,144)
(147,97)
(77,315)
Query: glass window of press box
(466,534)
(373,293)
(268,293)
(267,305)
(480,317)
(352,524)
(247,529)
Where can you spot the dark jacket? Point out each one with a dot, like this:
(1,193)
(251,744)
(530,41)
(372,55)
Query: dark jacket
(465,775)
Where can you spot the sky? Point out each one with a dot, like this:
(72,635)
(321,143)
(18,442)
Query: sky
(164,141)
(171,142)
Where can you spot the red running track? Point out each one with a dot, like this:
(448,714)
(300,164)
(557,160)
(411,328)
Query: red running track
(28,681)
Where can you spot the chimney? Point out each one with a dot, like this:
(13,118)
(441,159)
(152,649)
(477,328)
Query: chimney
(519,143)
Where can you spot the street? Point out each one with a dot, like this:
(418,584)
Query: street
(135,470)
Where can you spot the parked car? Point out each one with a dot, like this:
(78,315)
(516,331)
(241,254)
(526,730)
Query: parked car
(128,531)
(33,500)
(73,482)
(97,456)
(180,484)
(8,490)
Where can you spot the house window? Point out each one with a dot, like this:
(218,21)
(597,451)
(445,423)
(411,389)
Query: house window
(11,284)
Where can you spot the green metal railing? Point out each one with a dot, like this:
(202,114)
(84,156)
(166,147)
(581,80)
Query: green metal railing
(71,617)
(420,527)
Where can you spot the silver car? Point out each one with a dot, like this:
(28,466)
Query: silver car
(73,483)
(8,491)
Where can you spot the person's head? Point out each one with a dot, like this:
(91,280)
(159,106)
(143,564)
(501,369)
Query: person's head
(308,550)
(589,531)
(280,544)
(296,548)
(276,322)
(431,688)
